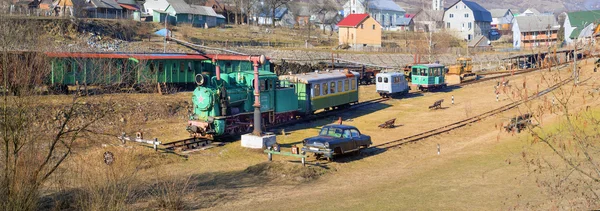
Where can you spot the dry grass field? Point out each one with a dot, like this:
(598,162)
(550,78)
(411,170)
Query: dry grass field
(480,166)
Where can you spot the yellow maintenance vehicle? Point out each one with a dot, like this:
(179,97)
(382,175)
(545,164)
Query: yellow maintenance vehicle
(460,72)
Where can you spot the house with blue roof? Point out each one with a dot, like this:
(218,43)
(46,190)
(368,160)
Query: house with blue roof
(265,15)
(467,20)
(386,12)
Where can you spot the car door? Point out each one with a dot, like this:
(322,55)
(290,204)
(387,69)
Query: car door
(358,140)
(347,141)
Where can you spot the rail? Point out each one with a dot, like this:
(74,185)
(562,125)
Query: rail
(461,123)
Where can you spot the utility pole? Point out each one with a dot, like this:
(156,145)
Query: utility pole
(430,39)
(166,32)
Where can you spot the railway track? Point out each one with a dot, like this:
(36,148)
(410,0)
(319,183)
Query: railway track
(194,143)
(420,136)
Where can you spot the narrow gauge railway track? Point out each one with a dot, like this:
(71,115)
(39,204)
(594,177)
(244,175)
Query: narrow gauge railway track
(193,143)
(430,133)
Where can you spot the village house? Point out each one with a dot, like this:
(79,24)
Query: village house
(576,22)
(386,12)
(359,30)
(405,23)
(428,20)
(502,20)
(530,12)
(467,19)
(535,31)
(179,12)
(265,17)
(225,11)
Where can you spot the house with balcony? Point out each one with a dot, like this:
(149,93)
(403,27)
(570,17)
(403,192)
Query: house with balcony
(535,31)
(466,20)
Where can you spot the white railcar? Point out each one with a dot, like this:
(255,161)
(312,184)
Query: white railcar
(392,83)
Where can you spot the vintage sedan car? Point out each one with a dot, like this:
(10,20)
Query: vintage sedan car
(336,139)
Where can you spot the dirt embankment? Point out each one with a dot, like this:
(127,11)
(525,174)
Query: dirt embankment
(58,34)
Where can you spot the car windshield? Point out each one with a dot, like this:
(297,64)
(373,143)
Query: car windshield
(333,132)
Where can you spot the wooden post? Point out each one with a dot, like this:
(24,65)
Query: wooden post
(303,161)
(155,144)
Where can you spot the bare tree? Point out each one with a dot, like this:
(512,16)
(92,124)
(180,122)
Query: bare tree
(273,5)
(323,8)
(35,139)
(572,176)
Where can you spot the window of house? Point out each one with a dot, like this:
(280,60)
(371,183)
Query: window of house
(466,15)
(464,6)
(340,86)
(325,89)
(332,87)
(346,86)
(317,90)
(362,26)
(448,25)
(451,15)
(373,26)
(469,25)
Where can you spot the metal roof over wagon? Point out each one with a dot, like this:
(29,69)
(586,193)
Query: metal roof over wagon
(318,76)
(147,56)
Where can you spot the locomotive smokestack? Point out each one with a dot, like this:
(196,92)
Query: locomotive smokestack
(257,114)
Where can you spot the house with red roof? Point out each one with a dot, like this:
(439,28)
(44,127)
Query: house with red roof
(359,30)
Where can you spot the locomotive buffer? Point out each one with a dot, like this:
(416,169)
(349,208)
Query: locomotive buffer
(257,139)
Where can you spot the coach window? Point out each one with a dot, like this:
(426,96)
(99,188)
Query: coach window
(160,67)
(182,66)
(353,84)
(190,65)
(325,89)
(68,66)
(385,80)
(379,79)
(270,84)
(340,86)
(152,67)
(332,87)
(317,90)
(346,85)
(262,85)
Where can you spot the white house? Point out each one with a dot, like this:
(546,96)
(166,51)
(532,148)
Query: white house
(467,19)
(386,12)
(151,5)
